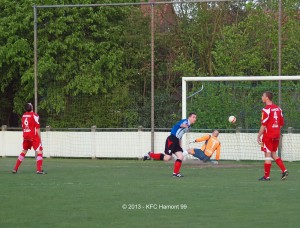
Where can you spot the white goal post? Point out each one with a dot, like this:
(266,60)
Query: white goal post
(240,145)
(229,78)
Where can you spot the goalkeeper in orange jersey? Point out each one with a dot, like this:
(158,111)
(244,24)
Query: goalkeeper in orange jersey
(211,145)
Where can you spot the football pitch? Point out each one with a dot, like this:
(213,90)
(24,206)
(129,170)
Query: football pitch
(131,193)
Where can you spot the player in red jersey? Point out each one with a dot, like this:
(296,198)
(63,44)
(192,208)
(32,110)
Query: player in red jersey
(31,138)
(269,135)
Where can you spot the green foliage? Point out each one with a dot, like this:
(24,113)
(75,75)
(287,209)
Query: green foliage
(291,45)
(219,100)
(246,48)
(94,63)
(16,54)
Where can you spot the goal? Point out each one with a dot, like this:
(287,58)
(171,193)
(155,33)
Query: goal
(214,99)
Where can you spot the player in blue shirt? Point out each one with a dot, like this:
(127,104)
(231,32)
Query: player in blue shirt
(173,144)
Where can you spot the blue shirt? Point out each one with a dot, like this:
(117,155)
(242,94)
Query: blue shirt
(179,131)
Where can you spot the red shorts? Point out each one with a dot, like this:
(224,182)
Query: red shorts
(269,144)
(35,143)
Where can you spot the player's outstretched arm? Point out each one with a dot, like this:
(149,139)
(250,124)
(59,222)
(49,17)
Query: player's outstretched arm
(201,139)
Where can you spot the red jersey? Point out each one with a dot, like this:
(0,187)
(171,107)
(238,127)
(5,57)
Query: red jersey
(30,124)
(272,118)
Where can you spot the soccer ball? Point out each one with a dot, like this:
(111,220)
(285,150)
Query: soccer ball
(232,119)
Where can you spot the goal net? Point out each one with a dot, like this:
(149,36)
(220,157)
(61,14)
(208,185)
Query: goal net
(214,99)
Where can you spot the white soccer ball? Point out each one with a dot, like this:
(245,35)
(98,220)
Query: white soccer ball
(232,119)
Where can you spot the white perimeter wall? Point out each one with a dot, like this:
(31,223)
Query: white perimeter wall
(235,146)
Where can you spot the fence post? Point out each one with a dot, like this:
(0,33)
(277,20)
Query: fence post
(3,128)
(48,139)
(93,128)
(93,141)
(238,129)
(239,141)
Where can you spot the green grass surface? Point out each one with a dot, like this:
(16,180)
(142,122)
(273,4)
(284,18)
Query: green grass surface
(91,193)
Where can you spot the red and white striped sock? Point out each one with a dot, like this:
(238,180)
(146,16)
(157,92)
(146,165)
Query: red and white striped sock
(19,161)
(39,162)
